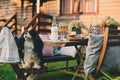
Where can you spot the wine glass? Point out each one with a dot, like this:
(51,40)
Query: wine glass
(62,30)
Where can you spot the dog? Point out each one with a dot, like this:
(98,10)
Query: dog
(31,60)
(30,49)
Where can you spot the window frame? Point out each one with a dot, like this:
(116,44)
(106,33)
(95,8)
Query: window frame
(80,10)
(95,7)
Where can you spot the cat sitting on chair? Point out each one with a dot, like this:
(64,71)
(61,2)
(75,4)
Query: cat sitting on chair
(31,46)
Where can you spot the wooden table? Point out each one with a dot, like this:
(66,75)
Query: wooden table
(60,43)
(70,43)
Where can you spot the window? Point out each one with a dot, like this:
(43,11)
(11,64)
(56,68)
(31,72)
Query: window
(65,6)
(90,6)
(78,6)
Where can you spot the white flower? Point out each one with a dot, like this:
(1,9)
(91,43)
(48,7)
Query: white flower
(76,23)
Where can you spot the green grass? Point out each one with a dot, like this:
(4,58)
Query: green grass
(7,73)
(60,75)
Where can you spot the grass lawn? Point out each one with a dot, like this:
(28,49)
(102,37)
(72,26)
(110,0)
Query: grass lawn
(6,73)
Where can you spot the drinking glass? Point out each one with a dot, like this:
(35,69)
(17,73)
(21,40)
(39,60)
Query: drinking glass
(62,30)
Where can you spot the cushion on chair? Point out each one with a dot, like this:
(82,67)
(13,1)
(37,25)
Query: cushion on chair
(47,50)
(92,53)
(111,60)
(68,51)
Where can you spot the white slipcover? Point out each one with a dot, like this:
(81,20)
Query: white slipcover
(8,47)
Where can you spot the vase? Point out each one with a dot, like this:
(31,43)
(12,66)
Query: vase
(77,30)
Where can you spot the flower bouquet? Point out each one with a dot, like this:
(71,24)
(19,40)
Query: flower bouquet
(75,26)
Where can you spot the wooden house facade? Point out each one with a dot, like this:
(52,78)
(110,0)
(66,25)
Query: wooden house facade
(89,11)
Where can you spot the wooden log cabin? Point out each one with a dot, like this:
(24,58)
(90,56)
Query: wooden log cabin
(66,10)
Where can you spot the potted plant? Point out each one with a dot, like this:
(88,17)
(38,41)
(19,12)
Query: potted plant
(109,22)
(75,26)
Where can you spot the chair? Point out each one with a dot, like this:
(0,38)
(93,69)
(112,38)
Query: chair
(12,25)
(36,25)
(111,38)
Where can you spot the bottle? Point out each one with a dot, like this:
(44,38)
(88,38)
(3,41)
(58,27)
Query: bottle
(54,30)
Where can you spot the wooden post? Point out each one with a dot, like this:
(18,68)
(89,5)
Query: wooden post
(38,5)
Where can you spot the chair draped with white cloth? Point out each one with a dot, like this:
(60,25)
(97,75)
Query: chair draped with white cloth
(8,47)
